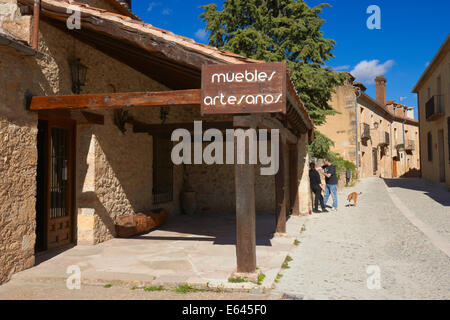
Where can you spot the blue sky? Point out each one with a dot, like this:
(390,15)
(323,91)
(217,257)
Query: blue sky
(410,35)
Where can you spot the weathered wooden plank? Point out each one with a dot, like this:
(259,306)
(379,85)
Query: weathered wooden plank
(281,191)
(116,100)
(244,88)
(77,116)
(123,32)
(141,127)
(245,215)
(293,182)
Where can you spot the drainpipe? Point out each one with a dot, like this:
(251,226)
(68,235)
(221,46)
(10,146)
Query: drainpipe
(35,34)
(356,130)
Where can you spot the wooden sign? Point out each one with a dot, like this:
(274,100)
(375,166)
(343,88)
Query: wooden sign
(244,88)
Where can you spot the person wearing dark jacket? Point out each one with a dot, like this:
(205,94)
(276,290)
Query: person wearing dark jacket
(316,187)
(331,181)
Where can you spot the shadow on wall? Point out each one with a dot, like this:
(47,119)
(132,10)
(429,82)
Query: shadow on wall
(412,173)
(434,191)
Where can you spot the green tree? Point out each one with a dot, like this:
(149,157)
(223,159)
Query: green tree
(277,30)
(320,147)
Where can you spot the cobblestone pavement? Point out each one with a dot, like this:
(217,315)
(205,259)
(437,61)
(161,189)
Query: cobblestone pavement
(337,247)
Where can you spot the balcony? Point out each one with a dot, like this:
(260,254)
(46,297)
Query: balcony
(434,108)
(410,145)
(384,139)
(365,132)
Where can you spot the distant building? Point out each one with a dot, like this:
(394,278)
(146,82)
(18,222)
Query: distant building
(433,100)
(387,133)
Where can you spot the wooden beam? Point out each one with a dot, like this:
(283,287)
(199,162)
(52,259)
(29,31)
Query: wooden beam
(116,100)
(281,191)
(293,182)
(77,116)
(140,127)
(127,31)
(244,179)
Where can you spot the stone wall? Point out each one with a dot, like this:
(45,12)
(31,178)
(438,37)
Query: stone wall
(18,160)
(215,189)
(11,21)
(111,153)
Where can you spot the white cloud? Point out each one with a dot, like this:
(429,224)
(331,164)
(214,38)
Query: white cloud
(427,64)
(201,34)
(151,6)
(366,71)
(403,98)
(341,68)
(167,11)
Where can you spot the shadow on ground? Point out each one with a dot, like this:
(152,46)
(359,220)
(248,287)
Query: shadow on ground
(221,231)
(436,192)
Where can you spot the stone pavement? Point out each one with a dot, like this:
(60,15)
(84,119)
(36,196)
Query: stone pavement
(198,250)
(337,247)
(19,289)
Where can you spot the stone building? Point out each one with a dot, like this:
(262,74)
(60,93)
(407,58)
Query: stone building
(386,130)
(433,100)
(84,141)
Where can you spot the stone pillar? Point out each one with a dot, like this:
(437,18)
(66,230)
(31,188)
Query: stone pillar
(86,218)
(304,190)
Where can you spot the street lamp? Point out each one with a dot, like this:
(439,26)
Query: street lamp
(78,72)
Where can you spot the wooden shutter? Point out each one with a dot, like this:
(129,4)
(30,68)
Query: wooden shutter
(162,170)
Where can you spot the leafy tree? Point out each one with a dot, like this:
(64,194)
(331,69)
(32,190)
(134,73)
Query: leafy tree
(320,147)
(277,30)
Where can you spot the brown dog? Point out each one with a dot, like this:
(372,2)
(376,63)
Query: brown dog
(353,196)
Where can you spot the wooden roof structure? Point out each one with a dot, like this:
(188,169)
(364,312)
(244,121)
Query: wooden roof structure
(173,60)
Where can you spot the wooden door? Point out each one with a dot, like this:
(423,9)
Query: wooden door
(60,189)
(375,161)
(394,168)
(441,156)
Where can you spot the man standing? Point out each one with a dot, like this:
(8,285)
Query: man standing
(329,171)
(316,187)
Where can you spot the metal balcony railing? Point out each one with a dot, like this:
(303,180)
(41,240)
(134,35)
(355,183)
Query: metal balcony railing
(434,108)
(384,139)
(410,145)
(365,132)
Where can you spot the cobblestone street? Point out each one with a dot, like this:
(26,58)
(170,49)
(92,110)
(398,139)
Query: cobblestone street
(337,247)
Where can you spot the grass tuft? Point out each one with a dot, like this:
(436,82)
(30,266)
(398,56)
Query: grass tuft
(154,288)
(184,288)
(285,263)
(108,285)
(261,278)
(296,242)
(237,280)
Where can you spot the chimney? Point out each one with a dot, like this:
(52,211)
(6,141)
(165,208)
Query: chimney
(380,82)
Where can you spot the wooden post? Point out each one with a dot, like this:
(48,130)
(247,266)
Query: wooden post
(293,182)
(281,191)
(245,214)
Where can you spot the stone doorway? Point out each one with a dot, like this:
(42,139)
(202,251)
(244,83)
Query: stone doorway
(55,185)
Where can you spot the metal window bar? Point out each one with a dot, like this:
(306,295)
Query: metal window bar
(58,172)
